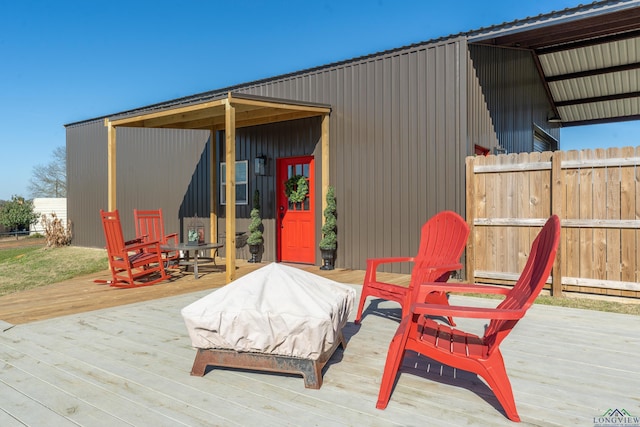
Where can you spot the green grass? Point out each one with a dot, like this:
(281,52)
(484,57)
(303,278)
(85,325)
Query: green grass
(585,302)
(35,266)
(15,254)
(595,303)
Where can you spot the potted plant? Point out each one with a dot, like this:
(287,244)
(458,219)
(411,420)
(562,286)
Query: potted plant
(329,240)
(255,229)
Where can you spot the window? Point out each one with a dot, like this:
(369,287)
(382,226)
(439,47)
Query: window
(242,182)
(543,141)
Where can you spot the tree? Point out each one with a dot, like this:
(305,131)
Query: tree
(50,180)
(18,214)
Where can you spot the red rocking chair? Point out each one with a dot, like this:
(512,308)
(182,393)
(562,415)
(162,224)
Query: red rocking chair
(469,352)
(150,228)
(133,260)
(442,240)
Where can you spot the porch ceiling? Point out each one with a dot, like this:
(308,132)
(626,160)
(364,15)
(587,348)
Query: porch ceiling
(589,61)
(249,111)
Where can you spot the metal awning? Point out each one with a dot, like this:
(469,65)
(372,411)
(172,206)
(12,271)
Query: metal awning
(225,112)
(588,58)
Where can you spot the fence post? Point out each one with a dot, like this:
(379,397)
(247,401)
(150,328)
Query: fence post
(557,195)
(470,214)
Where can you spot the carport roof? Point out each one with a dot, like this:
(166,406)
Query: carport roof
(587,56)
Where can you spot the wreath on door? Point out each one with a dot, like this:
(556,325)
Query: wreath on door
(296,188)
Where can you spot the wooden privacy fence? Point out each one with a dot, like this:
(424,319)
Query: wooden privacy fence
(596,194)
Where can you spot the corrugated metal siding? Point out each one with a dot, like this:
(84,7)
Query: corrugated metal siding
(397,154)
(156,168)
(162,168)
(514,95)
(87,181)
(481,130)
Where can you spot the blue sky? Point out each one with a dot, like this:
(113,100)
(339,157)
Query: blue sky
(70,60)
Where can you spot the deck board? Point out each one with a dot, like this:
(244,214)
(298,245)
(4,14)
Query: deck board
(127,363)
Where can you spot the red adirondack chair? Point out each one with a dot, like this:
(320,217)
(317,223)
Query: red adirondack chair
(469,352)
(150,228)
(442,240)
(133,260)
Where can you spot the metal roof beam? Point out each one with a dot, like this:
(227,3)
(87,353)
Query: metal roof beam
(598,99)
(611,38)
(594,72)
(601,121)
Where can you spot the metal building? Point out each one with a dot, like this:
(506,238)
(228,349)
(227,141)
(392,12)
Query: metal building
(390,131)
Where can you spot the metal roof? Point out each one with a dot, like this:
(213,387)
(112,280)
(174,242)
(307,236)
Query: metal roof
(588,57)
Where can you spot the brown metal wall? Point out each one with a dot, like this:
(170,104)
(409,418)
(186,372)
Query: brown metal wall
(506,84)
(398,138)
(162,168)
(398,127)
(87,181)
(480,128)
(165,169)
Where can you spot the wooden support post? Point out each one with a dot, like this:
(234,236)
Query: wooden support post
(325,160)
(470,256)
(230,178)
(213,187)
(557,195)
(111,166)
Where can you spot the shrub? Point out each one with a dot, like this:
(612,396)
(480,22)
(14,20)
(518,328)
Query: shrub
(56,234)
(329,238)
(255,226)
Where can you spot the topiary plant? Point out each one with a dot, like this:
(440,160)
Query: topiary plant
(255,226)
(329,238)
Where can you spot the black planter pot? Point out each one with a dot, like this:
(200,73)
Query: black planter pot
(328,258)
(254,250)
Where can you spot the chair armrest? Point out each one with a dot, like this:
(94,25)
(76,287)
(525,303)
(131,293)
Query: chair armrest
(468,312)
(142,245)
(134,241)
(470,288)
(373,263)
(436,271)
(172,236)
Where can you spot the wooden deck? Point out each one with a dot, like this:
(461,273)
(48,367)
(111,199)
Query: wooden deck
(103,356)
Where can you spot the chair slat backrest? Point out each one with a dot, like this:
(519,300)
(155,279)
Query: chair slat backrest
(112,233)
(149,225)
(531,280)
(442,241)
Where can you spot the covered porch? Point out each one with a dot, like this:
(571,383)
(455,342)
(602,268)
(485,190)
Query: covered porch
(224,113)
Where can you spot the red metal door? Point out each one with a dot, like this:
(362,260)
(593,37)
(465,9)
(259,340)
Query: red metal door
(295,219)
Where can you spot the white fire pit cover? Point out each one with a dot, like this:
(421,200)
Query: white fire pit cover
(276,309)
